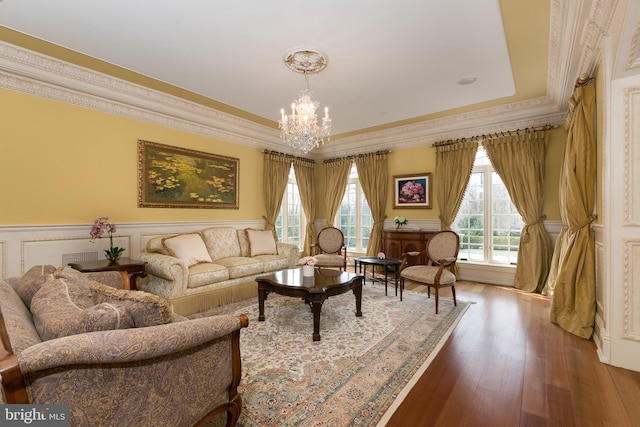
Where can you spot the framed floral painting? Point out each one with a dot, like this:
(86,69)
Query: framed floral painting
(174,177)
(412,191)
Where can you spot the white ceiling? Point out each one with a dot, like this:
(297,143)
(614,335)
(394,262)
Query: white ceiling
(387,60)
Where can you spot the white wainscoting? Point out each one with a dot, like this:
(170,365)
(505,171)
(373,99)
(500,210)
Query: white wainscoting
(22,247)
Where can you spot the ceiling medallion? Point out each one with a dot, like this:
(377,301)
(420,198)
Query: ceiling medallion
(300,129)
(305,61)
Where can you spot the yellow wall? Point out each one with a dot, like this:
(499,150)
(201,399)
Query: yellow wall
(415,160)
(62,164)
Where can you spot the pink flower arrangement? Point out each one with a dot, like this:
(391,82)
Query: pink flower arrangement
(308,260)
(412,190)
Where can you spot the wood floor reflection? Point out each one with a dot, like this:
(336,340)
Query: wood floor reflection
(506,364)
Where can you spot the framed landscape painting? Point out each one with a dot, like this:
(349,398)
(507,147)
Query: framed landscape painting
(174,177)
(412,191)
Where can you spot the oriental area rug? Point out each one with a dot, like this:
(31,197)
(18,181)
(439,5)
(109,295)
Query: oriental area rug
(356,375)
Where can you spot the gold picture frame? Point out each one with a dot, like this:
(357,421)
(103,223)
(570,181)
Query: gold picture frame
(174,177)
(412,191)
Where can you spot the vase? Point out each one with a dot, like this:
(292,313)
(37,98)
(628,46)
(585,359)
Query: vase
(113,259)
(307,270)
(113,254)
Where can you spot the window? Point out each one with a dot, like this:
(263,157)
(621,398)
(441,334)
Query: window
(488,223)
(354,217)
(291,221)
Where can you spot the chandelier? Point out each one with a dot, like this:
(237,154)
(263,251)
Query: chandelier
(300,129)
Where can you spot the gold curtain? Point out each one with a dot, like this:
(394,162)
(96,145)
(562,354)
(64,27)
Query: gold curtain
(303,169)
(519,160)
(373,174)
(275,177)
(454,163)
(337,171)
(571,278)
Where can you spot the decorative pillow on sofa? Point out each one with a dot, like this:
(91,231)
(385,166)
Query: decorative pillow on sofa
(32,281)
(78,285)
(55,315)
(188,247)
(146,309)
(261,242)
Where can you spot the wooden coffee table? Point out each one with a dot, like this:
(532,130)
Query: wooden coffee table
(314,290)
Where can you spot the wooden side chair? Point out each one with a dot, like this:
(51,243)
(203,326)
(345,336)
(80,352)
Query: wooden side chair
(330,250)
(441,254)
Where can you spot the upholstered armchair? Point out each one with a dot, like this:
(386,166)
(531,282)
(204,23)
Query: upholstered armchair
(441,253)
(179,373)
(330,250)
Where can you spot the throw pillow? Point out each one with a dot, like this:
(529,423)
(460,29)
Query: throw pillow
(77,284)
(55,315)
(32,281)
(261,242)
(188,247)
(146,309)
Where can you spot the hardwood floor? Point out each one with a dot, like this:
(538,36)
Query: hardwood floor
(506,364)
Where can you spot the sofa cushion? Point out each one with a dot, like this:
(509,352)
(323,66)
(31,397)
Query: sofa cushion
(207,273)
(261,242)
(31,281)
(273,262)
(17,319)
(222,242)
(188,247)
(145,309)
(241,266)
(55,315)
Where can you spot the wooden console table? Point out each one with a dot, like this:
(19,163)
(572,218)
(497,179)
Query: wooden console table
(130,269)
(397,242)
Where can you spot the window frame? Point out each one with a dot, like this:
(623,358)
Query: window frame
(283,213)
(483,166)
(360,198)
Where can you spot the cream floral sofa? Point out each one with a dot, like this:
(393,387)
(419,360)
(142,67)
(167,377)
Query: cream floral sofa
(212,267)
(116,357)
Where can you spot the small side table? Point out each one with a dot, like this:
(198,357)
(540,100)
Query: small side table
(386,263)
(130,269)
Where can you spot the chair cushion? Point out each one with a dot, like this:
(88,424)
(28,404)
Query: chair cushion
(188,247)
(146,309)
(329,260)
(261,242)
(55,315)
(32,281)
(78,285)
(427,274)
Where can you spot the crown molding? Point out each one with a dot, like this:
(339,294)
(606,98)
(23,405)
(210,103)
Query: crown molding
(40,75)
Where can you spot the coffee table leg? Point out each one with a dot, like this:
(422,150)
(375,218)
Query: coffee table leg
(357,291)
(316,307)
(386,280)
(262,294)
